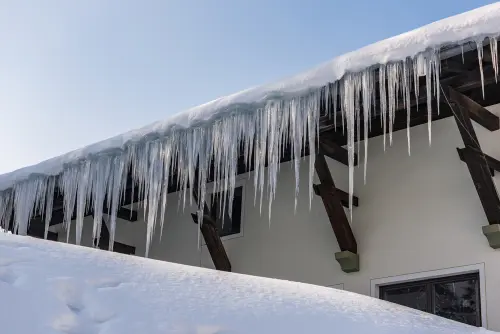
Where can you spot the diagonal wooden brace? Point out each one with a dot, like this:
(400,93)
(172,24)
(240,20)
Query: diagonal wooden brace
(211,236)
(348,257)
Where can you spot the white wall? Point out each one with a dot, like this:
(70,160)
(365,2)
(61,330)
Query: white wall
(416,214)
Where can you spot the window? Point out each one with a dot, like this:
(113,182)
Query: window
(455,297)
(228,225)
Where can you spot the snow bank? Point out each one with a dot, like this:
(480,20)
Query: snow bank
(261,119)
(49,287)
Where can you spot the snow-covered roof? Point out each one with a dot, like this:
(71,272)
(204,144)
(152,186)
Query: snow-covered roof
(49,287)
(472,26)
(262,118)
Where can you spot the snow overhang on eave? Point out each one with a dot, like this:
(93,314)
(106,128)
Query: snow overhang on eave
(287,111)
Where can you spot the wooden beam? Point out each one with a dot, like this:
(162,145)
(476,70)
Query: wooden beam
(332,150)
(344,197)
(479,171)
(211,236)
(476,112)
(469,153)
(334,208)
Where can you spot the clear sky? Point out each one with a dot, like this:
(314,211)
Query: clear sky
(76,72)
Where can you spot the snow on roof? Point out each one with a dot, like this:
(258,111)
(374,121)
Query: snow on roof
(62,288)
(473,26)
(263,119)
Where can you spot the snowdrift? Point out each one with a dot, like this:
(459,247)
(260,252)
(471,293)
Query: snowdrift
(48,287)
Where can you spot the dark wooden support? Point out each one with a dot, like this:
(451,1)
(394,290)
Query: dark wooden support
(348,257)
(474,157)
(328,147)
(480,157)
(475,111)
(211,236)
(118,247)
(334,207)
(344,197)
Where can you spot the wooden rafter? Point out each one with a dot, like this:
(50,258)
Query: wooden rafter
(328,147)
(473,155)
(343,196)
(211,236)
(475,111)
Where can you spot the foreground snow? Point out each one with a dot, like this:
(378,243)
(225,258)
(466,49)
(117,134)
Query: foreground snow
(48,287)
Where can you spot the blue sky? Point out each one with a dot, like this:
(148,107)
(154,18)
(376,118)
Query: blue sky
(76,72)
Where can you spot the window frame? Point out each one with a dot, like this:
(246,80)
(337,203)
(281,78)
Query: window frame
(446,274)
(240,182)
(429,284)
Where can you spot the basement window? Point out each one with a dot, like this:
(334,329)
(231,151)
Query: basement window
(455,297)
(228,226)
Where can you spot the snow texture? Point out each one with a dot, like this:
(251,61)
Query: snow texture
(50,287)
(263,120)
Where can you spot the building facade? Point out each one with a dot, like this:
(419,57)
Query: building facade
(418,227)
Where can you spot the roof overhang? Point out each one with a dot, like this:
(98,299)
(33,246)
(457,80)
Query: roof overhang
(267,125)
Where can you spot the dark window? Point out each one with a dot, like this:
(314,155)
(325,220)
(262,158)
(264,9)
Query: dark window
(226,224)
(455,297)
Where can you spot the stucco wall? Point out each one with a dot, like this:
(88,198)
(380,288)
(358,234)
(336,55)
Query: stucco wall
(416,214)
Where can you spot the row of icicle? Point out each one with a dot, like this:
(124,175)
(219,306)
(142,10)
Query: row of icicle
(87,184)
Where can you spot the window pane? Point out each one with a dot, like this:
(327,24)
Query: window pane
(457,301)
(228,225)
(410,296)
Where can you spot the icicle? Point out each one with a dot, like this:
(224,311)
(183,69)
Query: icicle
(367,84)
(479,46)
(437,71)
(393,78)
(311,116)
(428,87)
(295,141)
(27,196)
(463,58)
(154,184)
(117,176)
(494,55)
(167,161)
(68,183)
(407,99)
(81,199)
(335,93)
(99,172)
(5,209)
(51,184)
(383,99)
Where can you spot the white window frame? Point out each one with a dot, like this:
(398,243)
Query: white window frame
(240,182)
(376,283)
